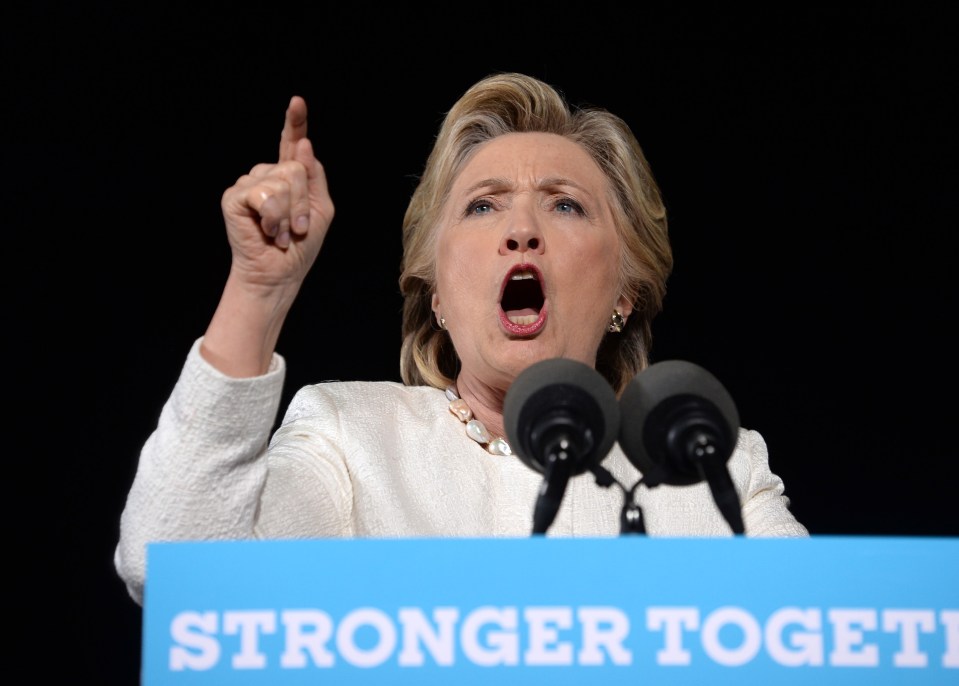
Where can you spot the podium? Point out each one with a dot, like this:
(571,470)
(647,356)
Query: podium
(540,610)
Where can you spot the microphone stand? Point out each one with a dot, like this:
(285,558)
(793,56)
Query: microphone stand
(724,494)
(631,519)
(701,447)
(556,470)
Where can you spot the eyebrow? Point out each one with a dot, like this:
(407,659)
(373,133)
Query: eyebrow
(500,182)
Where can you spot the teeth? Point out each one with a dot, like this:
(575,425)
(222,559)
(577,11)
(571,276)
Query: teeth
(524,319)
(522,276)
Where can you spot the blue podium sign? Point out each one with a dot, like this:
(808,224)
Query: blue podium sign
(628,610)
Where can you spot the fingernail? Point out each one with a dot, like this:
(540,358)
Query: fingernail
(283,240)
(271,230)
(303,222)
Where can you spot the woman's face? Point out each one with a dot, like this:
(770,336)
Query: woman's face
(527,257)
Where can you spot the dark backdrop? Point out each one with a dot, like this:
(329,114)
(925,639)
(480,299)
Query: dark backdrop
(807,158)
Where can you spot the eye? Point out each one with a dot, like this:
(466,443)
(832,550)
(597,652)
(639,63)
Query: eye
(568,206)
(479,207)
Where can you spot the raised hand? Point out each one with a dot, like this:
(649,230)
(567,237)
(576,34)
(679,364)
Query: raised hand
(276,219)
(277,215)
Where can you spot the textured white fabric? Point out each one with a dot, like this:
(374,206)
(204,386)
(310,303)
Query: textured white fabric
(379,459)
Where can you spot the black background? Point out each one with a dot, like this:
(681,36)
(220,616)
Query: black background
(807,157)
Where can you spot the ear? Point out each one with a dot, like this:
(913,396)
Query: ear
(624,306)
(435,305)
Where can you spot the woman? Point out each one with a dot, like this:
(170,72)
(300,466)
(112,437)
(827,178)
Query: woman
(536,232)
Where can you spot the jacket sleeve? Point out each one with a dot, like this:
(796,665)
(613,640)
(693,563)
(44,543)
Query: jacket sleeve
(765,506)
(200,473)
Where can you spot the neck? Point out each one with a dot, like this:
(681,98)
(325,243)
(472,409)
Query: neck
(485,401)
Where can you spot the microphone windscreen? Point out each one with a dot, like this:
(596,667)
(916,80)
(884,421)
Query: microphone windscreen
(671,386)
(566,391)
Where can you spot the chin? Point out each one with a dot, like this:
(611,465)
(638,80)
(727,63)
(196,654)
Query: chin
(528,352)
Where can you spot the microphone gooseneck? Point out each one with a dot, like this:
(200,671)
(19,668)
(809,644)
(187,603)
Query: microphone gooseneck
(679,427)
(561,418)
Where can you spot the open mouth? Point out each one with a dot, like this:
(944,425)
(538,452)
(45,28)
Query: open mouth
(522,300)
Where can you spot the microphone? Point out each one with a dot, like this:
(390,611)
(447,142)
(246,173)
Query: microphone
(679,426)
(561,417)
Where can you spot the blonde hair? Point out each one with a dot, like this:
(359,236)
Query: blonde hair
(515,103)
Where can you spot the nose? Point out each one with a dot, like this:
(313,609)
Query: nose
(522,235)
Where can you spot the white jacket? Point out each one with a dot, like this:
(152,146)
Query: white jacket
(380,459)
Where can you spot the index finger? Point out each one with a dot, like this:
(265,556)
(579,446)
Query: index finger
(294,128)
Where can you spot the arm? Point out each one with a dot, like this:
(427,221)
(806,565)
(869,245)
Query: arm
(276,219)
(201,472)
(765,506)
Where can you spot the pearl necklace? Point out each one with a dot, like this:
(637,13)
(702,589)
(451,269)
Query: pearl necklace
(474,427)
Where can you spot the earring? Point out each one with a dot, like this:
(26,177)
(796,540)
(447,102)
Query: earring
(443,323)
(616,322)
